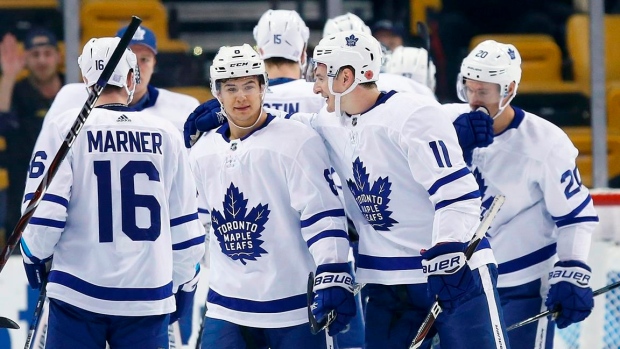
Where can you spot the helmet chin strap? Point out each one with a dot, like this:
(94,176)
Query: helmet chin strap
(502,107)
(130,92)
(337,96)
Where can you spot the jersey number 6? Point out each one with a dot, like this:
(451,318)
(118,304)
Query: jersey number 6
(129,201)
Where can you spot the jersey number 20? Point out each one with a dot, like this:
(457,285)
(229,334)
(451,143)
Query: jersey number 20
(129,201)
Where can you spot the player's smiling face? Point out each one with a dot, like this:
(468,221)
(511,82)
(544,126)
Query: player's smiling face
(483,94)
(321,86)
(242,99)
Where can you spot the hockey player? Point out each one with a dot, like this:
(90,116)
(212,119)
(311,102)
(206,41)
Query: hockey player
(412,199)
(167,104)
(388,81)
(412,63)
(119,220)
(275,218)
(541,237)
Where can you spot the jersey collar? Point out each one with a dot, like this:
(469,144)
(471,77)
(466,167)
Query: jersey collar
(383,97)
(516,121)
(280,81)
(224,130)
(115,107)
(148,100)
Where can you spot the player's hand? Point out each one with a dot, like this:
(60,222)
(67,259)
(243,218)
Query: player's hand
(570,292)
(449,277)
(37,272)
(184,298)
(205,117)
(474,130)
(11,59)
(333,289)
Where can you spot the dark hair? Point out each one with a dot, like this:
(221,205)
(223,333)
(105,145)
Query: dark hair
(261,80)
(278,61)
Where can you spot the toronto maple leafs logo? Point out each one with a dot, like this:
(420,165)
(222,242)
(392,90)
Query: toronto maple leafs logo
(511,53)
(351,40)
(486,202)
(237,233)
(372,201)
(139,35)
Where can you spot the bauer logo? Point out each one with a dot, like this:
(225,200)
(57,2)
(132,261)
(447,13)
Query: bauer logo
(372,200)
(238,231)
(582,279)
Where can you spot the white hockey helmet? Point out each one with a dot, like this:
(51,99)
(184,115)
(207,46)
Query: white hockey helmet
(236,62)
(95,57)
(346,22)
(413,63)
(491,62)
(281,33)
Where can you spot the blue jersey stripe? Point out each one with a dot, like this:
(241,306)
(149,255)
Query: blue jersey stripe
(189,243)
(528,260)
(448,179)
(329,213)
(576,211)
(47,222)
(183,219)
(334,233)
(400,263)
(203,210)
(473,195)
(49,197)
(249,306)
(110,293)
(576,220)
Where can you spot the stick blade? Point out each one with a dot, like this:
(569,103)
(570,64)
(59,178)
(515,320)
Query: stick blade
(8,323)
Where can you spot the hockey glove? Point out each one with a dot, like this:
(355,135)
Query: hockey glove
(205,117)
(449,277)
(37,272)
(184,297)
(333,289)
(474,130)
(570,292)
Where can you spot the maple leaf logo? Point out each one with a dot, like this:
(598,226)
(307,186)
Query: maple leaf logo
(351,40)
(372,201)
(237,233)
(486,202)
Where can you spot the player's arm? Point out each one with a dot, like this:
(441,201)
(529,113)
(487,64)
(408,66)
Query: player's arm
(204,209)
(570,205)
(47,223)
(323,226)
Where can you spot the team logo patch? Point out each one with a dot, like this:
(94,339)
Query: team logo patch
(351,40)
(372,201)
(238,232)
(139,35)
(511,53)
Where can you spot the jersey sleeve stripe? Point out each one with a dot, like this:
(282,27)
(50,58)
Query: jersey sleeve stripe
(448,179)
(530,259)
(575,220)
(110,293)
(576,211)
(334,233)
(183,219)
(251,306)
(189,243)
(329,213)
(203,210)
(29,254)
(49,197)
(47,222)
(473,195)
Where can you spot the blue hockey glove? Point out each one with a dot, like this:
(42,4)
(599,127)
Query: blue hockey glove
(570,292)
(184,297)
(474,130)
(37,272)
(205,117)
(333,288)
(449,277)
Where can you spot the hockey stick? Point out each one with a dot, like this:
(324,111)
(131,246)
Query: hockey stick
(555,312)
(471,248)
(424,33)
(36,317)
(93,96)
(8,323)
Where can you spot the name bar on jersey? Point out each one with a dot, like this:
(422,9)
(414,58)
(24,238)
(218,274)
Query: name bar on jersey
(124,141)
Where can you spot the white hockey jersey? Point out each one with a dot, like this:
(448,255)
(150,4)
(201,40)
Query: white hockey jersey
(388,82)
(547,209)
(174,107)
(120,217)
(292,96)
(275,217)
(405,183)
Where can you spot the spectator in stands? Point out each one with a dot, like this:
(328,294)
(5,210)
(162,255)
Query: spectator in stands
(461,20)
(389,34)
(23,104)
